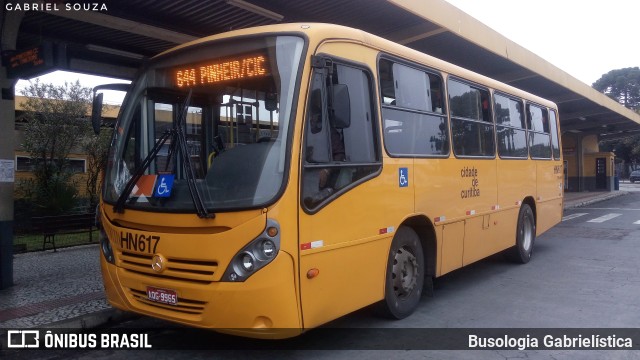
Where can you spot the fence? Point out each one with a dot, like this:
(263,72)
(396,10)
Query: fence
(29,237)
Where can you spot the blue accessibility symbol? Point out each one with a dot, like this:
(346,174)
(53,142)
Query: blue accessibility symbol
(403,177)
(163,185)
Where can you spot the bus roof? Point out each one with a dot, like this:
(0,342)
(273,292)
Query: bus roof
(319,32)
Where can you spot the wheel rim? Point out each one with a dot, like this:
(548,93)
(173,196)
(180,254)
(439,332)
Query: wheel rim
(404,272)
(527,233)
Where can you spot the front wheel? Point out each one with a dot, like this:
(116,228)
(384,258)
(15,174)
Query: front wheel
(525,236)
(404,276)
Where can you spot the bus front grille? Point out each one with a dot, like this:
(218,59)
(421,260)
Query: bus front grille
(197,271)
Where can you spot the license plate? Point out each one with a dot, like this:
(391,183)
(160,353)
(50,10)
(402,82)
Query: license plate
(164,296)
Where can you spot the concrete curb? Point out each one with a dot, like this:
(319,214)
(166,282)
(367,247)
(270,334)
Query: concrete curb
(585,202)
(93,320)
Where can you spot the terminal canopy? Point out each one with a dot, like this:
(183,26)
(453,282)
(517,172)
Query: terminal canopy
(113,38)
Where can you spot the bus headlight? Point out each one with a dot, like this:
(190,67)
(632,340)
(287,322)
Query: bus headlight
(268,248)
(248,263)
(105,244)
(257,254)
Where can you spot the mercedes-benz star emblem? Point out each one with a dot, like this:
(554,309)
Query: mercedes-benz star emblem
(157,263)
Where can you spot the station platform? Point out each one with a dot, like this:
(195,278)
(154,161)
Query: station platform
(64,289)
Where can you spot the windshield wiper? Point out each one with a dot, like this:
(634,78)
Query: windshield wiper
(187,166)
(177,137)
(139,171)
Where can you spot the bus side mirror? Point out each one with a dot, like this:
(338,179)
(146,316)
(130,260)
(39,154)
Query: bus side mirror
(341,107)
(271,101)
(96,109)
(96,113)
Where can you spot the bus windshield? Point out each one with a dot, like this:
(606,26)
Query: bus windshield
(230,104)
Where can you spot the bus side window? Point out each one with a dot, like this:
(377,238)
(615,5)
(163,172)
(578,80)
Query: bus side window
(510,127)
(317,141)
(471,120)
(555,142)
(344,150)
(414,122)
(539,134)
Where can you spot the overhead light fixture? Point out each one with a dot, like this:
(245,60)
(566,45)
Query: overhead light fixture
(112,51)
(256,9)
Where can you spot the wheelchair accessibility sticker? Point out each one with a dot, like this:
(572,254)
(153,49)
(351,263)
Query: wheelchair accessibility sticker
(403,177)
(163,185)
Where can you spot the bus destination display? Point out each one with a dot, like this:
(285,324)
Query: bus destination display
(203,74)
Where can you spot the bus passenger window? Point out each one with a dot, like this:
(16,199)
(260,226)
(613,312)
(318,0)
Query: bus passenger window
(555,143)
(539,135)
(414,121)
(471,121)
(342,151)
(510,127)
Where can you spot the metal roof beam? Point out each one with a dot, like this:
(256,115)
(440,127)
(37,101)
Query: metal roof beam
(102,69)
(566,97)
(121,24)
(621,135)
(422,36)
(564,116)
(414,33)
(515,76)
(617,124)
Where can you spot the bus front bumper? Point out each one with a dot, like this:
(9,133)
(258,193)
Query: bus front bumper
(263,306)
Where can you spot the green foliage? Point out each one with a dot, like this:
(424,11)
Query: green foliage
(97,150)
(51,195)
(626,149)
(622,85)
(56,124)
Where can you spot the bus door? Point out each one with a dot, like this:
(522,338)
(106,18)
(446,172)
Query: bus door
(341,264)
(473,173)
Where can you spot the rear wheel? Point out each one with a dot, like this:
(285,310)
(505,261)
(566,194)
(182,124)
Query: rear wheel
(405,275)
(525,236)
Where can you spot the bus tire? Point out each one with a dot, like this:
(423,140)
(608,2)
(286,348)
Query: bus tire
(404,276)
(525,236)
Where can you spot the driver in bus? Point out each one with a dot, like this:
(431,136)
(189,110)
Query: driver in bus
(328,177)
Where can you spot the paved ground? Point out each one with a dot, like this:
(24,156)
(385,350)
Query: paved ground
(53,286)
(64,288)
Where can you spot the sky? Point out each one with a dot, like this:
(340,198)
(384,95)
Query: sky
(584,38)
(59,78)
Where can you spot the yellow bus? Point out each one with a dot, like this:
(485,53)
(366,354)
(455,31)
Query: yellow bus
(266,181)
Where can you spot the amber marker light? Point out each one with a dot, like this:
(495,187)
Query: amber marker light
(312,273)
(272,231)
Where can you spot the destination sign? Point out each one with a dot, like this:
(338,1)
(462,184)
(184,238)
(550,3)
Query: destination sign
(203,74)
(30,62)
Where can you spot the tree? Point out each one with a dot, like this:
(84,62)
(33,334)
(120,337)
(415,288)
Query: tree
(56,123)
(97,150)
(626,149)
(622,85)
